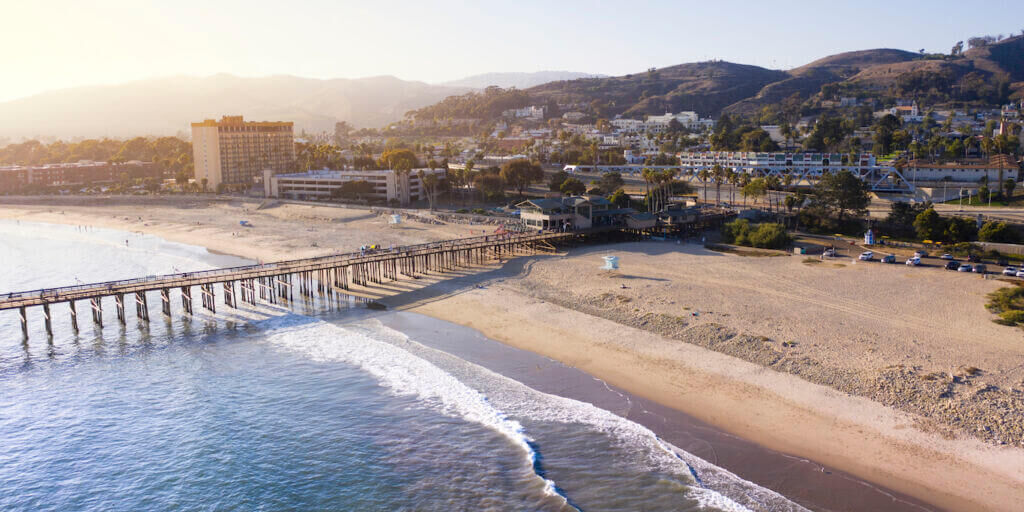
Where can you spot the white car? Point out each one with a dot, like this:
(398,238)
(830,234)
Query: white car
(913,262)
(1020,273)
(866,256)
(829,253)
(946,256)
(1010,271)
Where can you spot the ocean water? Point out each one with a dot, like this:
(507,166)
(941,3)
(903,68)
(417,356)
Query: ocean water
(316,405)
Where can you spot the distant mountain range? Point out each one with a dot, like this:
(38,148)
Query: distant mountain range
(988,73)
(517,80)
(166,106)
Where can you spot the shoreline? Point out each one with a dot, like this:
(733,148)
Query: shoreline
(801,481)
(776,410)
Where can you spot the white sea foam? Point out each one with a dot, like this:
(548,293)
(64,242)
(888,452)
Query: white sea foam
(714,486)
(404,374)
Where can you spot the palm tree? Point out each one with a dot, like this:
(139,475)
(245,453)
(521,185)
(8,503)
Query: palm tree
(772,183)
(647,174)
(718,172)
(703,176)
(734,180)
(744,181)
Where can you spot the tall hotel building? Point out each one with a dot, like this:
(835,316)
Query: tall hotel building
(234,152)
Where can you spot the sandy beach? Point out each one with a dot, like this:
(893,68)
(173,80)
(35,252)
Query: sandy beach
(894,374)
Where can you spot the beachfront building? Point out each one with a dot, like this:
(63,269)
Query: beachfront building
(385,185)
(572,212)
(17,178)
(236,152)
(964,171)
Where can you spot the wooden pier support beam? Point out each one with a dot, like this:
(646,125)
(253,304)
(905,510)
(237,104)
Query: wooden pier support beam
(141,306)
(165,299)
(46,319)
(206,290)
(74,315)
(97,310)
(186,299)
(24,321)
(119,301)
(229,294)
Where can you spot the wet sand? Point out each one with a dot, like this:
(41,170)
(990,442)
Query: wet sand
(806,482)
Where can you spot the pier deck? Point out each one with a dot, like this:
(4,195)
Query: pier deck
(276,281)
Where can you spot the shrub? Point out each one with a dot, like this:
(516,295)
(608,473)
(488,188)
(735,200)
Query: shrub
(997,232)
(1006,299)
(735,232)
(764,236)
(769,236)
(1012,317)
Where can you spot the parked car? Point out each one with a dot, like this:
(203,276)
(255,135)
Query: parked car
(952,265)
(946,256)
(1010,271)
(980,269)
(829,253)
(866,256)
(974,258)
(913,262)
(965,268)
(1002,262)
(889,259)
(921,253)
(1020,273)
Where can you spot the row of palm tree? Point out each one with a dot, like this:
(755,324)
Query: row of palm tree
(662,181)
(739,180)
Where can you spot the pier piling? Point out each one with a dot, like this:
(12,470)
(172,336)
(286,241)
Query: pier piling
(74,316)
(24,322)
(47,321)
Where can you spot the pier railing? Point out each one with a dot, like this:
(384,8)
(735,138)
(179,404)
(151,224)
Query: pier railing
(22,299)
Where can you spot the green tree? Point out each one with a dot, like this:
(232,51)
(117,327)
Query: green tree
(1009,185)
(490,184)
(573,187)
(610,182)
(520,173)
(769,236)
(930,225)
(993,231)
(619,198)
(556,180)
(430,183)
(755,189)
(959,229)
(397,159)
(843,193)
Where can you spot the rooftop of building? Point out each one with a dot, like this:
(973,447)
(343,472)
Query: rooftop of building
(68,165)
(239,121)
(993,162)
(340,173)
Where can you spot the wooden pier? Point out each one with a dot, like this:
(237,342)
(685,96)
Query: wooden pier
(274,283)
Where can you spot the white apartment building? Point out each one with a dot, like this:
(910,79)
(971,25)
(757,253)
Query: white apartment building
(531,112)
(387,184)
(689,120)
(628,125)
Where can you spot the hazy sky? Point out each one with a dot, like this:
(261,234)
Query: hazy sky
(55,44)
